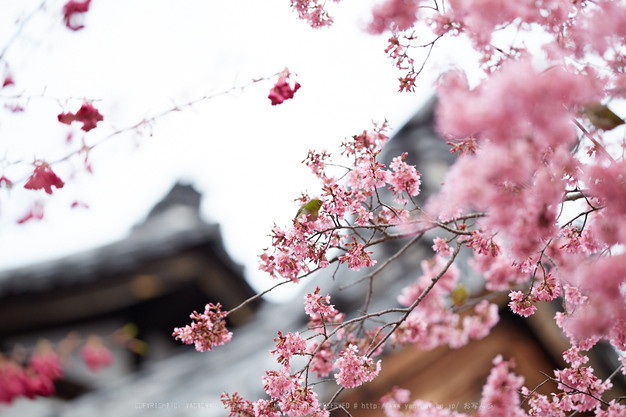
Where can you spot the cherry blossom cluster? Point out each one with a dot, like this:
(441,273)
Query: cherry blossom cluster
(296,251)
(354,369)
(73,13)
(431,322)
(534,164)
(332,347)
(313,12)
(36,377)
(207,329)
(581,391)
(282,90)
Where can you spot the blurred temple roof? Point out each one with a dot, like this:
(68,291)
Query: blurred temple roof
(171,263)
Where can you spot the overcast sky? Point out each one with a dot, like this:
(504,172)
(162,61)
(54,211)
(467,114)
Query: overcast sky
(138,59)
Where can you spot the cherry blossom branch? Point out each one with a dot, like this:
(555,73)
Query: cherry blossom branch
(87,148)
(595,142)
(396,324)
(386,263)
(575,390)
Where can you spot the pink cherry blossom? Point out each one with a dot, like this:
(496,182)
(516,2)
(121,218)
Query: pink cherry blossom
(479,325)
(356,257)
(500,394)
(403,178)
(282,91)
(71,10)
(237,405)
(441,247)
(95,354)
(316,305)
(43,177)
(355,370)
(547,290)
(522,304)
(207,330)
(287,346)
(88,115)
(322,363)
(312,12)
(393,15)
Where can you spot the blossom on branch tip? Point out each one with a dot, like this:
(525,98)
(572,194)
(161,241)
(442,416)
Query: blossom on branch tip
(43,177)
(207,330)
(403,178)
(355,370)
(521,304)
(71,12)
(282,90)
(316,305)
(356,257)
(237,406)
(312,12)
(88,115)
(441,247)
(287,346)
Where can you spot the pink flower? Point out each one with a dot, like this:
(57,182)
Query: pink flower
(315,305)
(393,402)
(539,111)
(95,354)
(574,358)
(403,178)
(368,174)
(441,247)
(615,409)
(47,362)
(521,304)
(71,10)
(322,362)
(548,290)
(302,401)
(88,115)
(393,15)
(35,212)
(312,12)
(43,177)
(355,370)
(356,257)
(264,408)
(479,325)
(282,91)
(278,384)
(500,393)
(8,80)
(237,406)
(287,346)
(208,329)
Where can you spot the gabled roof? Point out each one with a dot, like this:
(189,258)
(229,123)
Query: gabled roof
(173,224)
(106,280)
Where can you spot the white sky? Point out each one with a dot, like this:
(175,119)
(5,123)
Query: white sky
(243,154)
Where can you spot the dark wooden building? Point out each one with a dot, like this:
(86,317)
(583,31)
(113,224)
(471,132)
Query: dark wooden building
(170,264)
